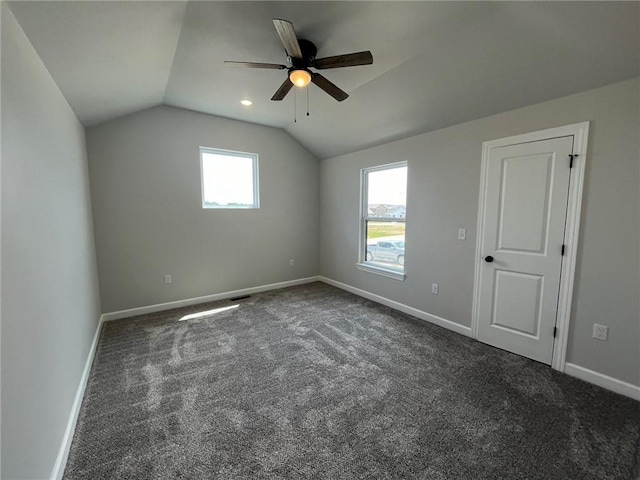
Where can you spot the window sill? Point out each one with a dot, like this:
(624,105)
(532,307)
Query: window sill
(235,207)
(381,271)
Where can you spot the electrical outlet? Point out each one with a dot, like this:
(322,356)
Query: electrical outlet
(167,279)
(291,262)
(462,234)
(435,288)
(600,332)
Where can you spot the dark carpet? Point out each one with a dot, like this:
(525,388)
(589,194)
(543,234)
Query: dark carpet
(314,382)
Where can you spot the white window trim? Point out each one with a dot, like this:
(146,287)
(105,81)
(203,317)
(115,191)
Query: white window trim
(256,176)
(367,267)
(364,218)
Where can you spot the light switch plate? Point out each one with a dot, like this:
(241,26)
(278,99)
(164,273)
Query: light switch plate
(462,234)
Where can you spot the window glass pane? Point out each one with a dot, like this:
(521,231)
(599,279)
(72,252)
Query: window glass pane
(385,245)
(386,200)
(228,180)
(387,192)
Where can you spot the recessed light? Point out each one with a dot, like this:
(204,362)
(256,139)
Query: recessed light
(246,103)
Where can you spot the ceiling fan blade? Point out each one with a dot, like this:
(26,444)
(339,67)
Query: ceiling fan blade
(329,87)
(274,66)
(288,36)
(283,90)
(348,60)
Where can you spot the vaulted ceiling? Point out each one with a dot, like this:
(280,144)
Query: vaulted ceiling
(435,63)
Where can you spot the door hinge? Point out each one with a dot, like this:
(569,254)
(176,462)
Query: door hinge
(571,157)
(555,332)
(562,250)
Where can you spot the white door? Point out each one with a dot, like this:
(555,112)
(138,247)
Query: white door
(523,230)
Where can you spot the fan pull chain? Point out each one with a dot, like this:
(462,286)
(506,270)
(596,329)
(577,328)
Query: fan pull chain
(295,96)
(307,100)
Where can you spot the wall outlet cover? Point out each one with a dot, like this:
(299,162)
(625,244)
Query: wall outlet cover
(600,332)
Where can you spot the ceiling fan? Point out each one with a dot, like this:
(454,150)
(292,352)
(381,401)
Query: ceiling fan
(301,54)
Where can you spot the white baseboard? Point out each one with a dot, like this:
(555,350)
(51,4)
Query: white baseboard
(63,453)
(132,312)
(602,380)
(414,312)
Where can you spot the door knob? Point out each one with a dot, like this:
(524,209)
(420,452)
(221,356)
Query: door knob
(488,259)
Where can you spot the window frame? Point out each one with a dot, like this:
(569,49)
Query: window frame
(365,217)
(255,178)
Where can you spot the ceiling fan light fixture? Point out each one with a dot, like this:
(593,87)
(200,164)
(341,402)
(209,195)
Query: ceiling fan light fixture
(300,78)
(246,102)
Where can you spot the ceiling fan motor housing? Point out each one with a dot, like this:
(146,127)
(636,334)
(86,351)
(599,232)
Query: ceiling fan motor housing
(309,52)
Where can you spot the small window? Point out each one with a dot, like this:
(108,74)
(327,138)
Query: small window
(384,213)
(229,179)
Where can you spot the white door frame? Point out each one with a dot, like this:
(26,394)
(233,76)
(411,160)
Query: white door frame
(580,132)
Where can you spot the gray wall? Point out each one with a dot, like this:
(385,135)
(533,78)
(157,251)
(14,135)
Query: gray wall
(443,189)
(145,183)
(50,303)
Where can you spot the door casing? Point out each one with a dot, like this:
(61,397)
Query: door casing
(580,133)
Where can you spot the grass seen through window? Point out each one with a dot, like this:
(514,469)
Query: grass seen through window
(384,229)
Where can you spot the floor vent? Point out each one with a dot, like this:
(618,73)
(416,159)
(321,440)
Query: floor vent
(239,298)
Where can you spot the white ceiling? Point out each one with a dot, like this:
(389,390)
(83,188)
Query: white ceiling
(435,63)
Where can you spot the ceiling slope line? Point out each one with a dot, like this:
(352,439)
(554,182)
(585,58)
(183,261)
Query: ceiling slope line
(175,52)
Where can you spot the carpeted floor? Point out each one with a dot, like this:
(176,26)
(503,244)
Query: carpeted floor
(314,382)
